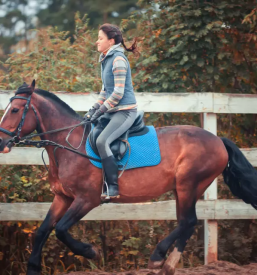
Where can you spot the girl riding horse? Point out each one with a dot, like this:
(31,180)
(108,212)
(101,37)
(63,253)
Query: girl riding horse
(116,99)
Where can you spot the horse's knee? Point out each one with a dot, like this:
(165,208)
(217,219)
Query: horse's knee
(193,222)
(60,232)
(41,232)
(187,227)
(188,222)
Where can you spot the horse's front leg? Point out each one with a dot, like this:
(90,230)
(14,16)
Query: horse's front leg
(57,210)
(78,209)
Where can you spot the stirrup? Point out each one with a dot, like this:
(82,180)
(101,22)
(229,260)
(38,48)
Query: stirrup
(106,195)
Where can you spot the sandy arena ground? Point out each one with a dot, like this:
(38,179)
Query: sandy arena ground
(218,268)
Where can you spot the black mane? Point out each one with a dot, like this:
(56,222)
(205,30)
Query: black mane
(57,100)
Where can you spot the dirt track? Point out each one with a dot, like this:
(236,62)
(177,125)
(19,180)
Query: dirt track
(218,268)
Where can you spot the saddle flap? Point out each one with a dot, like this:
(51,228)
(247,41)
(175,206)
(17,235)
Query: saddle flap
(138,124)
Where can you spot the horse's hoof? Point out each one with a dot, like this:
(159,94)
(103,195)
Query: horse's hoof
(171,263)
(155,264)
(97,253)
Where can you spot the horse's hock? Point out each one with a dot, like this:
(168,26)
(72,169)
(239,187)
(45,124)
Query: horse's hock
(217,268)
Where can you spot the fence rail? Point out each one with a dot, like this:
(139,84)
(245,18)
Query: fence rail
(164,210)
(211,209)
(165,102)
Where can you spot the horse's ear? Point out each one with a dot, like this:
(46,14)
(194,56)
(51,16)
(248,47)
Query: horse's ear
(33,85)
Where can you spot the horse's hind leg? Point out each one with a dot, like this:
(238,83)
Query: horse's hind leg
(187,219)
(58,208)
(158,257)
(78,209)
(187,222)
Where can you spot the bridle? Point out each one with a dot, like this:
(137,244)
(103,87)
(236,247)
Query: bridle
(16,134)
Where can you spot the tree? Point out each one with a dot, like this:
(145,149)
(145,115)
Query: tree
(17,17)
(61,14)
(195,46)
(57,63)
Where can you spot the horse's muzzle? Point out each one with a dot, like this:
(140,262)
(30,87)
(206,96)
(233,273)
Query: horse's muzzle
(4,148)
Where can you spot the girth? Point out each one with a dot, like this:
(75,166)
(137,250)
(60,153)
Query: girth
(118,147)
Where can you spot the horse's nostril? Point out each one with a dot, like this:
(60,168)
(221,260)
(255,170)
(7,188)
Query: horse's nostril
(1,141)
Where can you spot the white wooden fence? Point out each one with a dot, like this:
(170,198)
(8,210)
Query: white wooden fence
(209,210)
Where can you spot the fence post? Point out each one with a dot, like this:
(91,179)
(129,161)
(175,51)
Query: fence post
(210,226)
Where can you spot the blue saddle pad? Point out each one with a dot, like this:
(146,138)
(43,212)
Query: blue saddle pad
(145,151)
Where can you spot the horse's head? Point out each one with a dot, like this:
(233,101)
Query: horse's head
(19,119)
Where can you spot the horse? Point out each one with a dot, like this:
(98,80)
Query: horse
(191,158)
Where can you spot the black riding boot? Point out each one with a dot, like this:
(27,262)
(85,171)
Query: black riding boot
(110,167)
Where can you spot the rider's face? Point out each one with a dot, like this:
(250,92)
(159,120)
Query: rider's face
(103,43)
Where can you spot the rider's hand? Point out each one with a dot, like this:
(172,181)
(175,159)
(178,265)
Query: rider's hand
(96,115)
(90,113)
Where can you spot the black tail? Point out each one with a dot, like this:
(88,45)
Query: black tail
(240,175)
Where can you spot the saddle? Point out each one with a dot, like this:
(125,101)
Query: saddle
(119,146)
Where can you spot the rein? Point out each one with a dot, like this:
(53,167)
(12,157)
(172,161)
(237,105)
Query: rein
(26,140)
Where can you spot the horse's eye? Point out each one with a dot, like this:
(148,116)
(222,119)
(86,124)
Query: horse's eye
(15,110)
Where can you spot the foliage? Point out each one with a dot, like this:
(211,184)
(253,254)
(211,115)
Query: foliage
(55,62)
(24,184)
(125,245)
(195,46)
(251,20)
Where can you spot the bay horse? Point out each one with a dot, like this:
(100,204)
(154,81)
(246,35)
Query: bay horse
(191,158)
